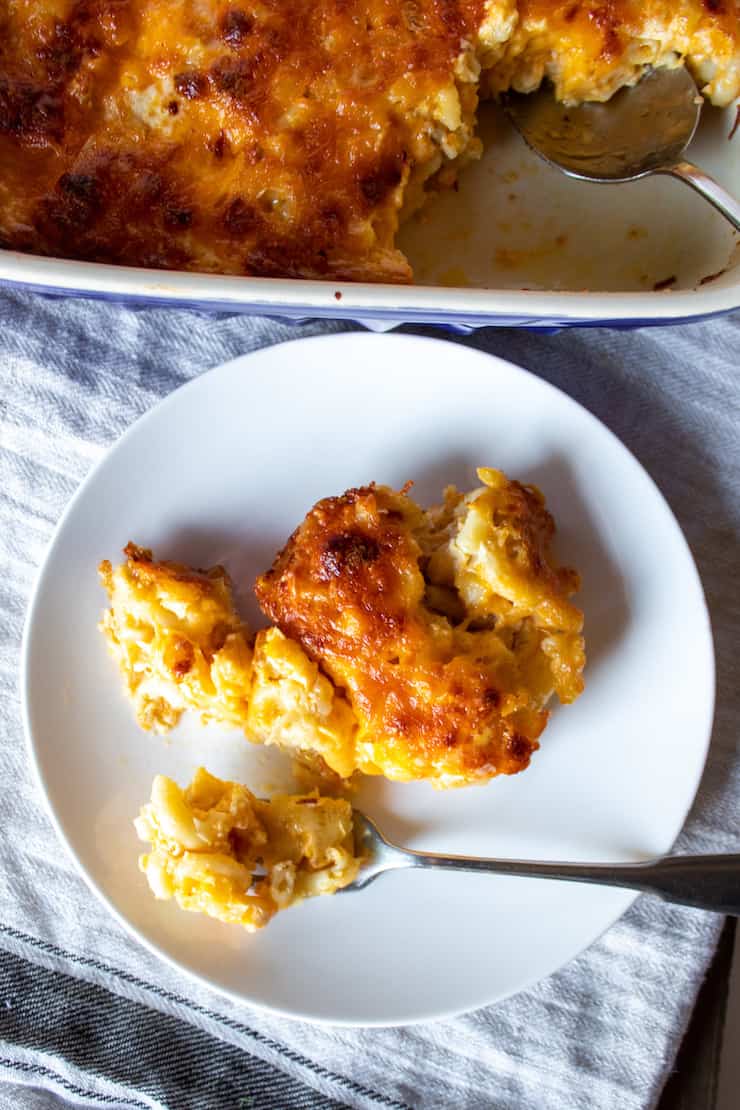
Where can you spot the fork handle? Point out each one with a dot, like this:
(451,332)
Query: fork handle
(710,189)
(707,882)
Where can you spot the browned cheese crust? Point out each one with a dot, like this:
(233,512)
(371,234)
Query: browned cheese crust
(287,138)
(437,695)
(269,138)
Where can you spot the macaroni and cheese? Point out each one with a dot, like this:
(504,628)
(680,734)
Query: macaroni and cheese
(288,138)
(406,643)
(448,630)
(217,849)
(177,639)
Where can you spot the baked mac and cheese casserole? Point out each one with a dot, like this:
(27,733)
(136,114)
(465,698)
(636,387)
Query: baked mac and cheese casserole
(290,137)
(406,643)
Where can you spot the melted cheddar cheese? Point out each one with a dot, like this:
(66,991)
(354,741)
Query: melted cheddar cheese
(448,631)
(589,49)
(288,137)
(217,849)
(267,138)
(177,639)
(180,645)
(407,643)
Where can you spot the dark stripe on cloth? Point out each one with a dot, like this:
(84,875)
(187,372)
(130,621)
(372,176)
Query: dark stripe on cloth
(43,1073)
(261,1038)
(125,1042)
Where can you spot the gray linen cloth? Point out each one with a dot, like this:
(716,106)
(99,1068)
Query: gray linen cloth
(89,1017)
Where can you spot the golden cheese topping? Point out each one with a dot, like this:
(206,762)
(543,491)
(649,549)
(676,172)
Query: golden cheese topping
(287,137)
(217,849)
(260,137)
(447,630)
(177,639)
(180,645)
(590,48)
(408,643)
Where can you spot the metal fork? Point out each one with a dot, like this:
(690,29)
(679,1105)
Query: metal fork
(706,882)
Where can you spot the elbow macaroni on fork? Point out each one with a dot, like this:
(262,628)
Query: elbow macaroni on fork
(218,850)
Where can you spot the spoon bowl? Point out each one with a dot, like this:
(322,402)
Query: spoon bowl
(641,130)
(635,133)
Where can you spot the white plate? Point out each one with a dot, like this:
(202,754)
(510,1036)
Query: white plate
(222,471)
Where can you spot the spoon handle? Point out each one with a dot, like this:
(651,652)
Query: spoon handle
(710,189)
(707,882)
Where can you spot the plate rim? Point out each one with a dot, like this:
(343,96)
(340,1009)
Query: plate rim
(27,642)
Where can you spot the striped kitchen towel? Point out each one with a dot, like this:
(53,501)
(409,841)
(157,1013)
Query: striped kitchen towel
(88,1017)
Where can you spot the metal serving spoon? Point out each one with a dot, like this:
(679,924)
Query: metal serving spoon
(640,131)
(707,882)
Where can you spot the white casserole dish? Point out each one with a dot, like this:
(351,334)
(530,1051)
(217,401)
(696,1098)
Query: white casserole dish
(517,244)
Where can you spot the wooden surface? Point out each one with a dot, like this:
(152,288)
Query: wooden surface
(694,1083)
